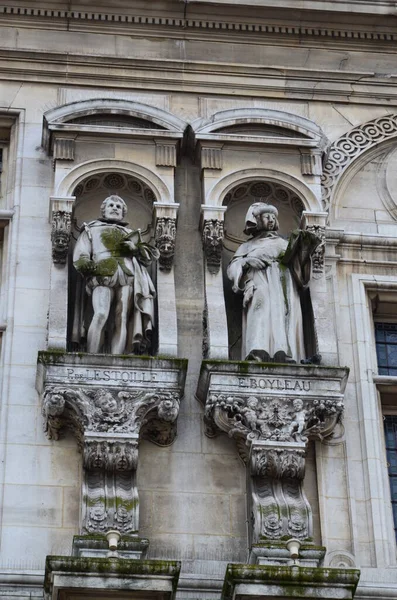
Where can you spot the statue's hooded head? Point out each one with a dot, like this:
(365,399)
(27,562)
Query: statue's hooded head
(113,208)
(252,218)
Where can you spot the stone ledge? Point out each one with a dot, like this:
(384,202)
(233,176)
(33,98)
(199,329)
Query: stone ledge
(252,581)
(67,578)
(97,546)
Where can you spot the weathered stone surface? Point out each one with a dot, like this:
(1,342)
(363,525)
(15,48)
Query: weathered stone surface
(272,412)
(108,403)
(67,578)
(249,581)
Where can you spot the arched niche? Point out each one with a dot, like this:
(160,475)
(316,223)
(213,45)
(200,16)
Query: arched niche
(290,207)
(89,194)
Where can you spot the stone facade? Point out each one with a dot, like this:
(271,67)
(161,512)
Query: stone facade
(192,112)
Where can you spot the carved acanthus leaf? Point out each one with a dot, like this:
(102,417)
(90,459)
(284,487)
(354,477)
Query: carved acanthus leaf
(108,411)
(280,419)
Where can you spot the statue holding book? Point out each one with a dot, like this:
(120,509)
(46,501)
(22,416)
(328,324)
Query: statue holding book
(273,274)
(113,261)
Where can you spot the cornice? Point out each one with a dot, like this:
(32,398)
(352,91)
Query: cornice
(45,18)
(199,77)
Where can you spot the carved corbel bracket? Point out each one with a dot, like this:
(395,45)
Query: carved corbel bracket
(311,162)
(212,233)
(60,219)
(165,233)
(272,412)
(316,223)
(109,403)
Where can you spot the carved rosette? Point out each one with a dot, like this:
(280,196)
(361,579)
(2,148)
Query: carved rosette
(212,238)
(319,253)
(109,403)
(60,236)
(165,241)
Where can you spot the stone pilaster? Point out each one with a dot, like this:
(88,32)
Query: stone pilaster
(215,330)
(60,219)
(165,225)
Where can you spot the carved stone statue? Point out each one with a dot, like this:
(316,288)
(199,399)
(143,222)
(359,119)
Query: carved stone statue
(272,273)
(113,259)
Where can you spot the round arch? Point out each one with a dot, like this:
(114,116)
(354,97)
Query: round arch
(221,188)
(93,167)
(74,110)
(297,124)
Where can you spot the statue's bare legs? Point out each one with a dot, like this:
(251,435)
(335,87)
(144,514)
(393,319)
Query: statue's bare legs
(123,298)
(101,301)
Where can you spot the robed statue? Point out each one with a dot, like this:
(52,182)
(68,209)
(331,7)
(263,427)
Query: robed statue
(273,275)
(113,261)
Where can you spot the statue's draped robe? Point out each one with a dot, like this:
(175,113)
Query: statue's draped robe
(129,271)
(272,273)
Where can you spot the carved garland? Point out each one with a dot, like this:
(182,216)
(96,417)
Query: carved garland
(347,148)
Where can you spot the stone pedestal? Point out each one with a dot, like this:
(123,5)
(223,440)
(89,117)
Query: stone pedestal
(70,578)
(243,582)
(109,402)
(272,410)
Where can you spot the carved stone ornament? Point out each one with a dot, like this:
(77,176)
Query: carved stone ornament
(109,403)
(212,238)
(319,253)
(349,146)
(60,236)
(165,241)
(272,412)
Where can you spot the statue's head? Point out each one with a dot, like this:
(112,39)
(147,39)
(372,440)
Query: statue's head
(113,208)
(261,217)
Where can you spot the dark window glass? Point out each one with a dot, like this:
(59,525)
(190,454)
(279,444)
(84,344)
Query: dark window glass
(391,453)
(386,348)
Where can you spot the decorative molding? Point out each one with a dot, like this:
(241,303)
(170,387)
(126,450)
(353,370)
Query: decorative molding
(253,29)
(212,238)
(211,158)
(347,148)
(166,155)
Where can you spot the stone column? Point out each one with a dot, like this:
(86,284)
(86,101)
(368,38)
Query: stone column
(60,219)
(165,216)
(215,334)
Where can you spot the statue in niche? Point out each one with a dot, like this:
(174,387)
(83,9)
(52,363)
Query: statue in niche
(113,261)
(273,275)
